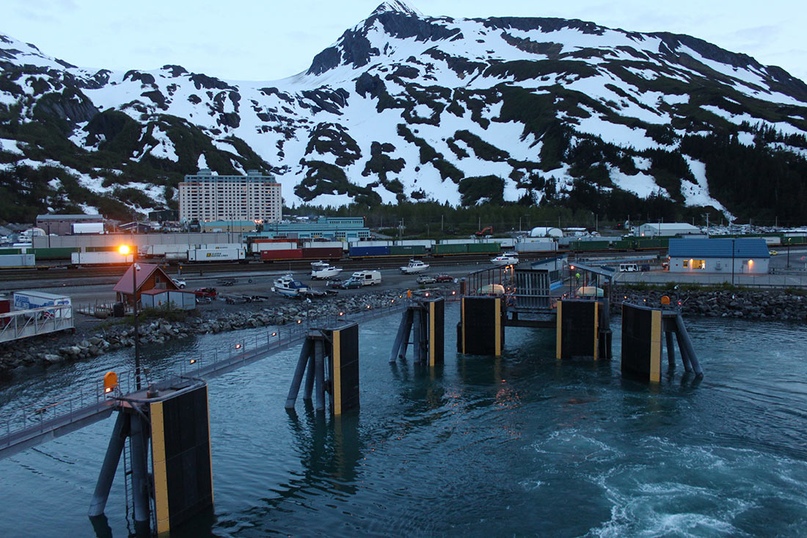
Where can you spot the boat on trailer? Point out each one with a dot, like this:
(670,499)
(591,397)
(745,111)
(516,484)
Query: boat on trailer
(324,271)
(287,286)
(414,266)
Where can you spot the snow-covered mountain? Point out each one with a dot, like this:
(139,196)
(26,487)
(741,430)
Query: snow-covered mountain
(407,107)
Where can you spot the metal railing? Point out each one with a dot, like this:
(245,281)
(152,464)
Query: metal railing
(35,321)
(87,405)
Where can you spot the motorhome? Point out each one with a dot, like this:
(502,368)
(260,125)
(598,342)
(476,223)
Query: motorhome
(367,278)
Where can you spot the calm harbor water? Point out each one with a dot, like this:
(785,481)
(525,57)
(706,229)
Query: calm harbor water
(522,445)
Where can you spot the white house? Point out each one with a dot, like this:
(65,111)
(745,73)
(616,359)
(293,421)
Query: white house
(665,229)
(730,256)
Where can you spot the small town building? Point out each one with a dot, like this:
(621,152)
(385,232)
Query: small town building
(147,276)
(666,229)
(740,256)
(70,224)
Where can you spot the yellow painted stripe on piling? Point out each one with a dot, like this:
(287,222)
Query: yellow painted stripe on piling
(497,312)
(596,330)
(558,330)
(655,347)
(432,335)
(337,372)
(209,441)
(159,465)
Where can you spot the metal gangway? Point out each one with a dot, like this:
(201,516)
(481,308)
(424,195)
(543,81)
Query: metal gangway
(62,415)
(527,293)
(35,321)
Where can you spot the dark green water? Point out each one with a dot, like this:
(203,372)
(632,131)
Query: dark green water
(522,445)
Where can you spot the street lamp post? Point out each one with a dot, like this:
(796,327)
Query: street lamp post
(124,249)
(571,276)
(787,266)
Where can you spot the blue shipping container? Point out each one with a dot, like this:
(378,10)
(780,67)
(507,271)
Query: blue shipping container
(360,252)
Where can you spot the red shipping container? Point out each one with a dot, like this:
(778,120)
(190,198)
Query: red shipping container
(269,256)
(323,253)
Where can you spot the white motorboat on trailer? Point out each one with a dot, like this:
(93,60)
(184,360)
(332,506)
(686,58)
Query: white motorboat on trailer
(287,286)
(324,272)
(508,258)
(415,266)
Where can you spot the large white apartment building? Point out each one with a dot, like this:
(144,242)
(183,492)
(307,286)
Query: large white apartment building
(207,197)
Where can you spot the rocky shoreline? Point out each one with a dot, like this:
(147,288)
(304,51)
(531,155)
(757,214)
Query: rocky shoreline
(92,340)
(762,305)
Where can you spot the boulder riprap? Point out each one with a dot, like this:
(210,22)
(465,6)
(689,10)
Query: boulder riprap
(52,349)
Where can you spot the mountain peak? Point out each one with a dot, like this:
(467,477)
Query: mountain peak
(396,6)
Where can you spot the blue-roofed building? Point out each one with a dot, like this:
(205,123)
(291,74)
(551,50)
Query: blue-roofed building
(748,256)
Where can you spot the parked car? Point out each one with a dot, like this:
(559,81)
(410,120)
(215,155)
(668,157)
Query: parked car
(179,283)
(205,292)
(351,284)
(442,277)
(426,279)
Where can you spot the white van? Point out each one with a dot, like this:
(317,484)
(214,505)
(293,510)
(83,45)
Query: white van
(367,278)
(628,267)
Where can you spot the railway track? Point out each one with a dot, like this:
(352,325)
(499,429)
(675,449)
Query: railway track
(50,272)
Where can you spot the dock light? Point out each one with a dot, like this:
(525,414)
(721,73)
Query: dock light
(274,334)
(110,382)
(192,361)
(299,321)
(238,346)
(341,314)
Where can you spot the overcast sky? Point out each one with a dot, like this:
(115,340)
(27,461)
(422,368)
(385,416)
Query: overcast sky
(272,39)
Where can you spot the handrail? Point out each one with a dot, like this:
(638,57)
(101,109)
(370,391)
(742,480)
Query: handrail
(69,409)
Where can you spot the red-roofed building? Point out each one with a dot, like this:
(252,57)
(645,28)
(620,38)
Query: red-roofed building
(148,276)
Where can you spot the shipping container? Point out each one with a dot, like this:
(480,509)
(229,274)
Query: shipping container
(269,256)
(373,243)
(52,254)
(100,258)
(425,243)
(257,248)
(365,251)
(484,248)
(215,254)
(324,244)
(17,260)
(176,256)
(407,250)
(323,253)
(589,245)
(449,249)
(453,241)
(29,299)
(536,246)
(163,249)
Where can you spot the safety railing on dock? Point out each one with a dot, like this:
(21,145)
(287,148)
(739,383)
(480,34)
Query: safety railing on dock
(89,404)
(35,321)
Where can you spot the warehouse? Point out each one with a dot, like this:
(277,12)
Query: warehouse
(748,256)
(665,229)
